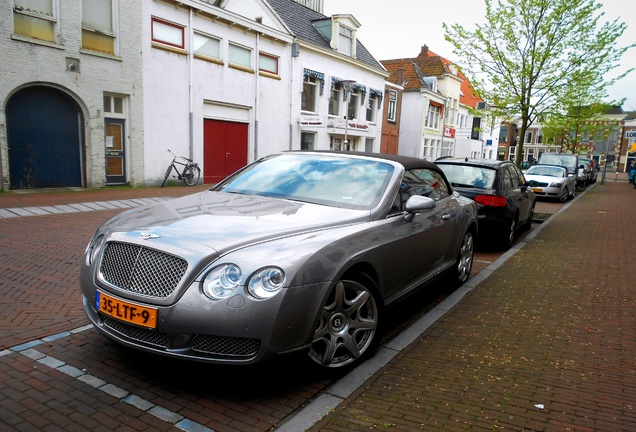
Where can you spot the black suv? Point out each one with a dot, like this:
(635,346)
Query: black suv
(504,199)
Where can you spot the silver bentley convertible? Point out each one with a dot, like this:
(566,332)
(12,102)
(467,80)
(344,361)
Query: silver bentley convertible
(298,251)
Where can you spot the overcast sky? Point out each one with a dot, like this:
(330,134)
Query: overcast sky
(399,28)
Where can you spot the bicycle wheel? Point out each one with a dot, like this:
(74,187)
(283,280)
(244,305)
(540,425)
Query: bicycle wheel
(191,175)
(165,177)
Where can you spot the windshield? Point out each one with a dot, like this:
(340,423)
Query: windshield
(566,160)
(469,176)
(320,179)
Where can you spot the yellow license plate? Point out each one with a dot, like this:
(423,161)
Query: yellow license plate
(536,189)
(125,311)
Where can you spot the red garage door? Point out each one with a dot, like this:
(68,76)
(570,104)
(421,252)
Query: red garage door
(224,149)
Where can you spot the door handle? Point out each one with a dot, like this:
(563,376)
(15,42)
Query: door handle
(446,216)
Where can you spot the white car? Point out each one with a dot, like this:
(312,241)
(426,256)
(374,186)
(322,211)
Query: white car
(551,181)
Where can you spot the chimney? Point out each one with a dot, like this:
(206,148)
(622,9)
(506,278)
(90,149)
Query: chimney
(400,77)
(424,52)
(316,5)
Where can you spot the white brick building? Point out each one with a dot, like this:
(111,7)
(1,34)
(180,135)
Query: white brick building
(68,81)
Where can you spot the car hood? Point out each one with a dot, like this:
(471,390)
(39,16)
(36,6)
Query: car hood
(544,179)
(215,222)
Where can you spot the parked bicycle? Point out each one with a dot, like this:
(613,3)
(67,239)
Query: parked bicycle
(190,171)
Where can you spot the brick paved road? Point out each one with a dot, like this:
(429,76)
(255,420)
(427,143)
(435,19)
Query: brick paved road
(78,380)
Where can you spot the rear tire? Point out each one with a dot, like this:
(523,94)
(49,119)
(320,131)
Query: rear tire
(464,263)
(508,237)
(191,175)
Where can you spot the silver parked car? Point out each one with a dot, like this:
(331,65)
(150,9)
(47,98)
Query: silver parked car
(296,251)
(551,181)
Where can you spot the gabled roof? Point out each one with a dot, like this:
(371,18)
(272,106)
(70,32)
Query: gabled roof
(299,19)
(427,63)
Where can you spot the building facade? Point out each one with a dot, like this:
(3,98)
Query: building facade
(71,94)
(436,106)
(223,82)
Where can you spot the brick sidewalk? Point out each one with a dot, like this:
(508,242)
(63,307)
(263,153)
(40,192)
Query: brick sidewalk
(548,342)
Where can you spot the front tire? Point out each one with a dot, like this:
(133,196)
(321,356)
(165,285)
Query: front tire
(348,325)
(165,177)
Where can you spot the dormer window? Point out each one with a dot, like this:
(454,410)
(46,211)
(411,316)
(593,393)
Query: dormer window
(340,31)
(345,40)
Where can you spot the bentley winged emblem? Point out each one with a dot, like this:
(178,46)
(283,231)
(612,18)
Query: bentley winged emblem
(149,235)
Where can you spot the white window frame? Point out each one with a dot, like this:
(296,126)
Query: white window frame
(239,55)
(433,117)
(309,84)
(372,106)
(392,109)
(202,40)
(345,40)
(26,10)
(335,101)
(352,105)
(312,142)
(103,32)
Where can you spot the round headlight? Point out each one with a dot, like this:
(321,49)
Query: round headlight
(266,282)
(221,282)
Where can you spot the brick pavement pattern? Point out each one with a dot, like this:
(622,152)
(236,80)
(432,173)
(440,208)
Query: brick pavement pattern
(547,343)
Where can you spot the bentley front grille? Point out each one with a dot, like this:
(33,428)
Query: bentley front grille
(141,270)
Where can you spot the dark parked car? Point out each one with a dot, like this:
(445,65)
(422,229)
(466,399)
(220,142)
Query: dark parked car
(505,202)
(589,170)
(568,160)
(299,251)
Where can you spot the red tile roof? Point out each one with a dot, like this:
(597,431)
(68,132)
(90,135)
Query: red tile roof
(430,64)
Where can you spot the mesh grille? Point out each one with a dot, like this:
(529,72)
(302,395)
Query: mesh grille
(232,346)
(141,270)
(137,333)
(213,345)
(534,183)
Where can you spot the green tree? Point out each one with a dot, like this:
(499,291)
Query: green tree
(532,54)
(573,131)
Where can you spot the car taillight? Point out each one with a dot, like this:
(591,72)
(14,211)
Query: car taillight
(491,200)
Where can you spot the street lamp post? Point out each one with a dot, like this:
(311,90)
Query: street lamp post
(347,86)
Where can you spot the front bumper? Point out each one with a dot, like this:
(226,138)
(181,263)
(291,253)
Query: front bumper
(239,330)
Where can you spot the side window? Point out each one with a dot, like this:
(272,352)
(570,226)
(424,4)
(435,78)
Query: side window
(515,175)
(426,183)
(508,181)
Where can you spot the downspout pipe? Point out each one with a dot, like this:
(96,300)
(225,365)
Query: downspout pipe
(190,89)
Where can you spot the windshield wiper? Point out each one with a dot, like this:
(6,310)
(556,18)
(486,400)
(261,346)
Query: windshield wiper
(462,185)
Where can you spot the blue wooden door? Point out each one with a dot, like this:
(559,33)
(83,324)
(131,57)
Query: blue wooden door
(45,131)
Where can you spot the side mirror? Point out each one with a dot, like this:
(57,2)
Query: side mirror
(417,204)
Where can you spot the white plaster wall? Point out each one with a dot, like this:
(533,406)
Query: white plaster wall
(411,123)
(176,85)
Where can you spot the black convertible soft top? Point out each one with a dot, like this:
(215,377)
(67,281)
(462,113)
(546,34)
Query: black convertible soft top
(407,162)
